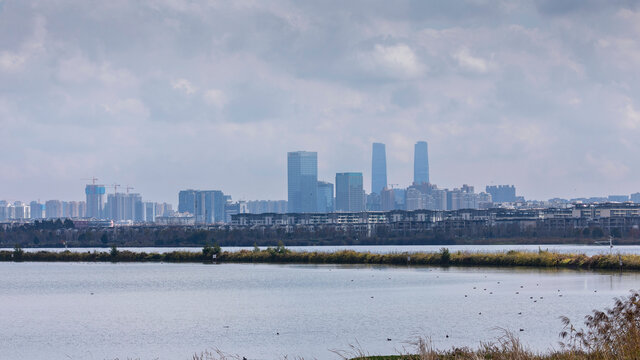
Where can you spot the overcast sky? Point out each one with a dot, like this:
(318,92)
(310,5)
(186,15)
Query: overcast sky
(173,94)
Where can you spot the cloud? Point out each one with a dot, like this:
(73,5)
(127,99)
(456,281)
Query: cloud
(630,117)
(12,61)
(185,86)
(469,62)
(504,92)
(129,107)
(216,98)
(394,61)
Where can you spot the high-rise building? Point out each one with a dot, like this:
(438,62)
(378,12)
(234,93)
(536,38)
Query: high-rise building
(187,201)
(53,209)
(302,181)
(635,198)
(21,210)
(149,212)
(37,210)
(618,198)
(124,207)
(4,210)
(502,193)
(349,192)
(95,200)
(206,205)
(325,197)
(387,199)
(267,206)
(421,163)
(373,202)
(378,168)
(210,206)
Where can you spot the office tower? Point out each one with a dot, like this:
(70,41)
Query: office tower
(302,181)
(387,199)
(399,195)
(373,202)
(349,192)
(325,197)
(378,168)
(36,210)
(635,198)
(414,199)
(187,201)
(53,209)
(95,200)
(421,163)
(502,193)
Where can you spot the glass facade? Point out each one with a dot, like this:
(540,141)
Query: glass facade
(378,168)
(421,163)
(349,192)
(302,181)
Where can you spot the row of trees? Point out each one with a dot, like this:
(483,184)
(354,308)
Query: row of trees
(57,234)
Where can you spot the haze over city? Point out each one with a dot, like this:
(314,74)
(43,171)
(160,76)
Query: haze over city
(176,94)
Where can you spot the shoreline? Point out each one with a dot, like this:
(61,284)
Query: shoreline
(281,255)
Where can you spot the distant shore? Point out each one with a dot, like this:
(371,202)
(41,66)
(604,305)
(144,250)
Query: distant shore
(280,254)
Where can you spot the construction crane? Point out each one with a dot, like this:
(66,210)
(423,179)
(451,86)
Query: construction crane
(129,188)
(93,179)
(115,187)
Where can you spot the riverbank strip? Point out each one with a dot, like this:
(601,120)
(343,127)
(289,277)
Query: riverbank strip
(539,259)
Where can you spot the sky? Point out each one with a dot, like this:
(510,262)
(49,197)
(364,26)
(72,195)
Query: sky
(171,94)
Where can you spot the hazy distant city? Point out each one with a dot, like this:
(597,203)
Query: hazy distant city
(109,205)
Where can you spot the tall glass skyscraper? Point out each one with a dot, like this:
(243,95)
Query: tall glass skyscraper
(325,197)
(349,192)
(95,200)
(302,181)
(421,163)
(378,168)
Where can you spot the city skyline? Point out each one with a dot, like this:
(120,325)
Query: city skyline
(504,94)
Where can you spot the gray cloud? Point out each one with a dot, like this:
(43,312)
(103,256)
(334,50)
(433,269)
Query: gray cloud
(170,94)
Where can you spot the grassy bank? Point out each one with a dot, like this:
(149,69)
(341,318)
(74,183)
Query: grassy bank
(540,259)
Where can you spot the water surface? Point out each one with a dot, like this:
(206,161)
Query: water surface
(170,311)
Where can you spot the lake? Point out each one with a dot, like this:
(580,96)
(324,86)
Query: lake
(171,311)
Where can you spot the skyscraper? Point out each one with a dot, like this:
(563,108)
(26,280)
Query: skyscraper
(302,181)
(95,200)
(187,201)
(349,192)
(378,168)
(206,205)
(502,193)
(325,197)
(36,210)
(421,163)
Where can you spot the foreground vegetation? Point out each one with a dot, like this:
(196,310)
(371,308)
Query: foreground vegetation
(280,254)
(610,334)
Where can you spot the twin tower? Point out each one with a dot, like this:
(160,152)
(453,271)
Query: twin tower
(379,165)
(306,194)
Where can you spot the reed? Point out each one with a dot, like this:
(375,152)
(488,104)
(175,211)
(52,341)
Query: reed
(280,254)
